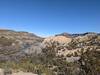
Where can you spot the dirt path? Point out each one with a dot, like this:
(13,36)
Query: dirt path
(23,73)
(17,73)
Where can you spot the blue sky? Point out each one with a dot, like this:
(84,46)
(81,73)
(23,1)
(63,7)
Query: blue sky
(48,17)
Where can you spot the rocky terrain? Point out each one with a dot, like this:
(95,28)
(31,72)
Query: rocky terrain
(60,54)
(15,45)
(73,43)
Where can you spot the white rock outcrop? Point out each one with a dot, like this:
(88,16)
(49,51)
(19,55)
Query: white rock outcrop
(59,39)
(1,72)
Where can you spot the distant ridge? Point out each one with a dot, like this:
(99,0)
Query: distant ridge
(5,30)
(76,35)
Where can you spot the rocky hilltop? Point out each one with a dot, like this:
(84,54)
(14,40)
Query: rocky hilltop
(73,43)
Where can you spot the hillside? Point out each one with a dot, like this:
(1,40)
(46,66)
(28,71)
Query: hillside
(61,54)
(15,45)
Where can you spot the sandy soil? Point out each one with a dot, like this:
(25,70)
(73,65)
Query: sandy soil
(23,73)
(18,73)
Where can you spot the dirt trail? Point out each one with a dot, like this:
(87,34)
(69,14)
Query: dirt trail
(17,73)
(23,73)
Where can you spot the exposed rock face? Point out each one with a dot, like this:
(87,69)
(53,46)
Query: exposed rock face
(59,39)
(1,72)
(72,45)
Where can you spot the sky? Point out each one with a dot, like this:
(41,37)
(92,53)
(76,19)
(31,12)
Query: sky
(49,17)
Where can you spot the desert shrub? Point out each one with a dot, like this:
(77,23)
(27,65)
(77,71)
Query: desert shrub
(89,62)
